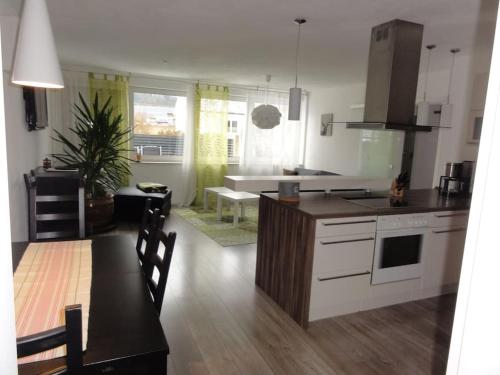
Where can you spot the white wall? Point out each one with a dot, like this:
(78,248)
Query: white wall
(25,149)
(476,327)
(451,142)
(8,360)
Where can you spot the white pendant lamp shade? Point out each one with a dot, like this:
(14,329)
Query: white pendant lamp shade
(36,63)
(294,104)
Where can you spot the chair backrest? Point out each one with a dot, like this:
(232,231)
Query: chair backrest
(156,264)
(70,334)
(144,229)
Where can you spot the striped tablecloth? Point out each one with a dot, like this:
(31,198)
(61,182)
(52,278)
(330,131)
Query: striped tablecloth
(50,276)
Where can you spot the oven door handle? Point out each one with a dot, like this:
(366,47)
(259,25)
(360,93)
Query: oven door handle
(451,215)
(349,222)
(347,241)
(343,276)
(449,230)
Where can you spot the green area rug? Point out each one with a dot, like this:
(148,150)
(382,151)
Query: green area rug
(224,233)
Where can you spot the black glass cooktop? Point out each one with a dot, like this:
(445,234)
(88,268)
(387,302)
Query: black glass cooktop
(378,203)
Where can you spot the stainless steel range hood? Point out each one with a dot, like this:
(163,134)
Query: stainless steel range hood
(391,87)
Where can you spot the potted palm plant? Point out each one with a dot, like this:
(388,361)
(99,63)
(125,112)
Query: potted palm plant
(101,156)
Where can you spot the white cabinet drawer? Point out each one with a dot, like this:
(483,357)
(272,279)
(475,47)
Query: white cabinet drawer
(343,255)
(448,218)
(345,226)
(337,296)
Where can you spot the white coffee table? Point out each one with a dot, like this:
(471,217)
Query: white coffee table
(216,190)
(238,199)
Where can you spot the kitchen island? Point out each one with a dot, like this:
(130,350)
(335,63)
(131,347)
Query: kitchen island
(324,256)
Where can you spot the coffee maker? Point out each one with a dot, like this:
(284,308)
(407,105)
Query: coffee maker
(457,178)
(466,176)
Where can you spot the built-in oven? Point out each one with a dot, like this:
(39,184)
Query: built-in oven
(398,247)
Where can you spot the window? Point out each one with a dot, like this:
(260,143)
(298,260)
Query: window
(159,124)
(237,118)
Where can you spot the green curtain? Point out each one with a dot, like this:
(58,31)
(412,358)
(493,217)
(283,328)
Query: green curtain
(210,126)
(117,89)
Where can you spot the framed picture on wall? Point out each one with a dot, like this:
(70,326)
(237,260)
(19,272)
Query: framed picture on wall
(326,124)
(475,126)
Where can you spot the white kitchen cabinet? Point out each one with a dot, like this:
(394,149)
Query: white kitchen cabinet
(337,296)
(448,219)
(390,294)
(343,260)
(442,260)
(342,263)
(345,226)
(343,255)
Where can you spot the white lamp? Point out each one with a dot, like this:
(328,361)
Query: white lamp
(295,98)
(423,107)
(447,108)
(36,63)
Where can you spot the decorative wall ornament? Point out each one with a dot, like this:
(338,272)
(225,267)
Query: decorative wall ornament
(326,124)
(266,116)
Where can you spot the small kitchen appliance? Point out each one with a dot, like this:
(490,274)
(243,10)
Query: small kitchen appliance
(457,178)
(466,178)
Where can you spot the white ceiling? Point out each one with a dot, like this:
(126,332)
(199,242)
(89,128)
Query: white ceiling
(239,41)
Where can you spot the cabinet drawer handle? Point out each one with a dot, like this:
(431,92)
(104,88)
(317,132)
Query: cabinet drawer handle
(343,276)
(451,215)
(448,230)
(349,222)
(346,241)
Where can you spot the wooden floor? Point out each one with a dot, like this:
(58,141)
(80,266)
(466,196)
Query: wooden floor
(218,322)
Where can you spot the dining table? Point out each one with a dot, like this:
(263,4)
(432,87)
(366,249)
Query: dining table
(125,335)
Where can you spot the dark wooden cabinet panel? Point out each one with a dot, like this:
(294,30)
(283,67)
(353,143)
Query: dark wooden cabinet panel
(285,249)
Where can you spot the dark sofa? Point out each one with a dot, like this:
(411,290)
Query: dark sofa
(130,201)
(307,172)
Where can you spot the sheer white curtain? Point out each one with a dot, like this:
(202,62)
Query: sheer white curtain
(188,167)
(61,104)
(268,151)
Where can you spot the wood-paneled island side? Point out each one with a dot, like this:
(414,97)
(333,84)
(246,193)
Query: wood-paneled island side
(285,249)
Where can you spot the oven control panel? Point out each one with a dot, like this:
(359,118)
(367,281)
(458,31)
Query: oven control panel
(392,222)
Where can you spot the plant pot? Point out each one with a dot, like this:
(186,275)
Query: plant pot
(99,214)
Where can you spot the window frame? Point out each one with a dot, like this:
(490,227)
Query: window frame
(242,132)
(158,91)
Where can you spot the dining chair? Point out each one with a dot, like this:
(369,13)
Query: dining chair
(144,229)
(157,259)
(69,334)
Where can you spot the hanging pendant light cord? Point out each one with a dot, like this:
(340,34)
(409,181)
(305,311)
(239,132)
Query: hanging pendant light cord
(297,57)
(298,21)
(454,51)
(268,79)
(430,47)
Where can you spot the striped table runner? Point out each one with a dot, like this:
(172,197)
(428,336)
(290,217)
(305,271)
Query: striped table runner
(50,276)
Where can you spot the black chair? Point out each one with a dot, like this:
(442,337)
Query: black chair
(153,261)
(145,228)
(70,334)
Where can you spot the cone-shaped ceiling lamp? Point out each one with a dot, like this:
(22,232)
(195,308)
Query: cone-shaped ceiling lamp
(36,63)
(295,99)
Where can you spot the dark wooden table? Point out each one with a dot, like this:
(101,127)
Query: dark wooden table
(125,335)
